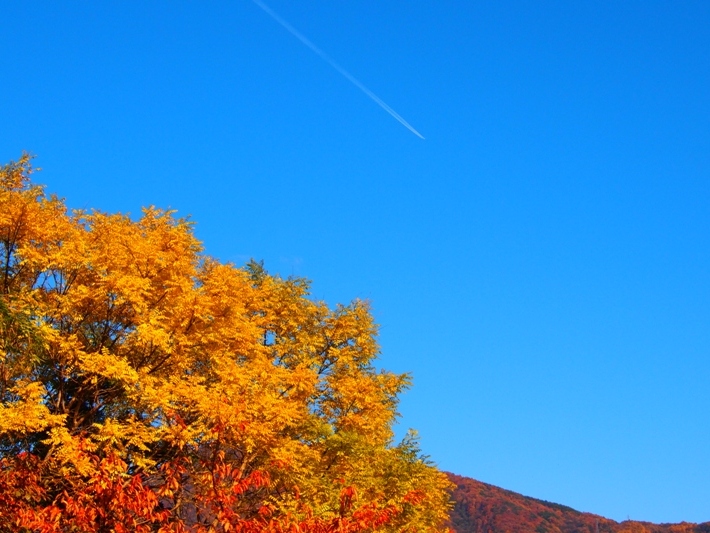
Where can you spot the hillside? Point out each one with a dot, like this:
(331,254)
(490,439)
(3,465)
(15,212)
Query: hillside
(483,508)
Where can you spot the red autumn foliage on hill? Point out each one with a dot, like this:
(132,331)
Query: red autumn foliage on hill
(483,508)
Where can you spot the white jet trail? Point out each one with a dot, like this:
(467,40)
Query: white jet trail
(293,31)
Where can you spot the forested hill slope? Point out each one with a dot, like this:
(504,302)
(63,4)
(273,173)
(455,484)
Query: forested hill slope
(483,508)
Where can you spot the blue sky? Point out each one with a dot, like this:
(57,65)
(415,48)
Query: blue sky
(540,263)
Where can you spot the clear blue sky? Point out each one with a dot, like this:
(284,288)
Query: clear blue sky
(540,263)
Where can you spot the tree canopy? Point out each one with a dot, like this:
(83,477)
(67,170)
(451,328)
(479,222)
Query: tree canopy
(145,386)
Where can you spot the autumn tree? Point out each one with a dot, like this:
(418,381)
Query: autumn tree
(145,386)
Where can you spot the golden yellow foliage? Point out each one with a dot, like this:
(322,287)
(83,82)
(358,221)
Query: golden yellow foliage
(120,339)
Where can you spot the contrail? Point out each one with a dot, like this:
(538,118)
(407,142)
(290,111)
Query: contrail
(293,31)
